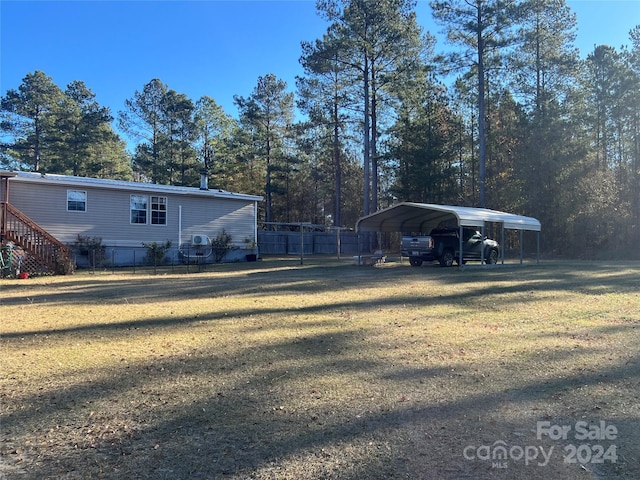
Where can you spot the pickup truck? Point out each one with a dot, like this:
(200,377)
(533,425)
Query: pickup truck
(443,245)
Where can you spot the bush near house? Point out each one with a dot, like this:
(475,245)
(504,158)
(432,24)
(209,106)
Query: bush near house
(220,245)
(157,252)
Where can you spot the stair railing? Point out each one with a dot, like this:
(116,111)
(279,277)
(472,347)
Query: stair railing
(51,253)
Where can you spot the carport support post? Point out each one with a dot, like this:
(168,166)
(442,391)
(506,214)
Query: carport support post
(301,244)
(482,244)
(502,243)
(521,246)
(460,264)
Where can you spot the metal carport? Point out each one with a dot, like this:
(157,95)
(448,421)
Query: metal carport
(423,217)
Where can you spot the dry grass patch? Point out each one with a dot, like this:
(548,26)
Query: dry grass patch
(274,370)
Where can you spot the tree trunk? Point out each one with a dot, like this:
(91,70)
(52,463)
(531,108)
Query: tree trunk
(482,141)
(267,188)
(374,143)
(338,167)
(367,148)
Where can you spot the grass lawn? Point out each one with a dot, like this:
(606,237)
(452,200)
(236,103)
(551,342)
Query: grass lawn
(272,370)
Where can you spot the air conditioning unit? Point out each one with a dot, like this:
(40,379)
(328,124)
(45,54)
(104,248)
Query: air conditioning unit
(199,240)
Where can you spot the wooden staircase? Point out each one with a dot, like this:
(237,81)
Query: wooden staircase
(39,251)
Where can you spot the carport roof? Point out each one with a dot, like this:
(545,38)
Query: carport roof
(422,217)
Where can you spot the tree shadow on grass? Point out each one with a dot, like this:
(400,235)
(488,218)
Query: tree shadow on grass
(555,281)
(277,410)
(589,278)
(268,412)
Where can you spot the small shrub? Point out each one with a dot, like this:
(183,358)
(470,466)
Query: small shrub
(156,252)
(64,265)
(92,248)
(221,245)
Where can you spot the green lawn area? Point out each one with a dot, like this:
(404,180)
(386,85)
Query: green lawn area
(275,370)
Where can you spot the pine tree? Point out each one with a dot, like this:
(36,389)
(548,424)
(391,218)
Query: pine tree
(544,68)
(380,42)
(482,28)
(29,113)
(268,115)
(324,96)
(83,129)
(142,121)
(213,142)
(162,121)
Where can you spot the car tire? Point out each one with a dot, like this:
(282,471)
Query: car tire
(415,262)
(492,258)
(446,260)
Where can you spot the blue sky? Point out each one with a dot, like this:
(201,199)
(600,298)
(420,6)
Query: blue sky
(200,47)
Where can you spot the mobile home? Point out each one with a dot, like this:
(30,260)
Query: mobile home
(125,215)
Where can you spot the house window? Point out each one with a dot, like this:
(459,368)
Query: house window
(158,210)
(139,209)
(76,201)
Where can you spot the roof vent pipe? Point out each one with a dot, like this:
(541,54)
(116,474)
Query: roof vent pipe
(204,180)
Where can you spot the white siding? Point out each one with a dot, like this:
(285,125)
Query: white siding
(236,217)
(108,215)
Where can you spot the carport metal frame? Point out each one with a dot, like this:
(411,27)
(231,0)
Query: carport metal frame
(423,217)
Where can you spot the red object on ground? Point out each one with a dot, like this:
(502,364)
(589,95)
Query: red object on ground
(23,275)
